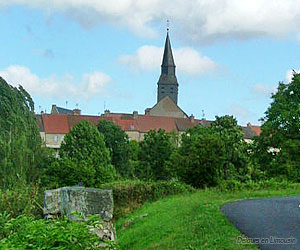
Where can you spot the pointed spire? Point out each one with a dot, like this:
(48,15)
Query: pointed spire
(168,60)
(167,83)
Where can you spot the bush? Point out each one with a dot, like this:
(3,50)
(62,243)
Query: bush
(129,195)
(22,199)
(25,232)
(271,184)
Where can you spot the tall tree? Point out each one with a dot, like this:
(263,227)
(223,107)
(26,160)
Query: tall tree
(235,148)
(199,159)
(116,140)
(278,146)
(155,151)
(83,158)
(20,142)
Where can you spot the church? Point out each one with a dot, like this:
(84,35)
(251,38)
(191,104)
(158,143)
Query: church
(165,114)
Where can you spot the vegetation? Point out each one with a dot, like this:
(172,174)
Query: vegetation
(130,195)
(25,232)
(155,151)
(116,140)
(277,148)
(83,158)
(236,157)
(20,142)
(163,164)
(189,221)
(199,159)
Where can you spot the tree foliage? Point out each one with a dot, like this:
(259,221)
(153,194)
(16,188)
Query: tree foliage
(200,157)
(278,146)
(236,158)
(116,140)
(155,151)
(83,158)
(20,142)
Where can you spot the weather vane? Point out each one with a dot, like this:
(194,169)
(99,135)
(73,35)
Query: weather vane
(168,25)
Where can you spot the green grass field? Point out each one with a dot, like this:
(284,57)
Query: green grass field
(190,221)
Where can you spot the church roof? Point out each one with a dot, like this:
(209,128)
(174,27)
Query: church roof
(168,59)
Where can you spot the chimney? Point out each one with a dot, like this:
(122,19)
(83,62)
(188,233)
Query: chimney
(106,112)
(135,114)
(192,118)
(76,112)
(54,110)
(147,111)
(248,124)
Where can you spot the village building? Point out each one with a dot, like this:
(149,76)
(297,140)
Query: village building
(165,114)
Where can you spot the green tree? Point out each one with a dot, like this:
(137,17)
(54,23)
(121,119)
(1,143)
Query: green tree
(20,142)
(83,158)
(199,159)
(236,159)
(278,146)
(155,151)
(116,140)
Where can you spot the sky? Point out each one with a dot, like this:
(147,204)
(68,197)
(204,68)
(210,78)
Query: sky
(93,55)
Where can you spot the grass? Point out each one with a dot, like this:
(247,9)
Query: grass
(189,221)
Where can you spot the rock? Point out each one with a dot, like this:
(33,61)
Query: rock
(84,201)
(79,202)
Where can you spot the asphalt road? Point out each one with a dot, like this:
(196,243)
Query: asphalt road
(272,223)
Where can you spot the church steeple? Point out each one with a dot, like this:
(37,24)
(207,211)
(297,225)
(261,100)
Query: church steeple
(167,84)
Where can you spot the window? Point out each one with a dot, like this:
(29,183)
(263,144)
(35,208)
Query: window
(55,138)
(62,138)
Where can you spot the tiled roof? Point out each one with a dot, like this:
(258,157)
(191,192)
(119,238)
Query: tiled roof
(183,124)
(64,111)
(74,119)
(254,128)
(127,125)
(146,123)
(55,124)
(248,133)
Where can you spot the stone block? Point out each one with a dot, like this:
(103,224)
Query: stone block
(85,201)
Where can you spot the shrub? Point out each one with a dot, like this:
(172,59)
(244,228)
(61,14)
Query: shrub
(25,232)
(22,199)
(129,195)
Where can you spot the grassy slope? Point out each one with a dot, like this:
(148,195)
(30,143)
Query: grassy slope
(191,221)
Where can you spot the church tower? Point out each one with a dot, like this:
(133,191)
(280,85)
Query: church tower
(167,83)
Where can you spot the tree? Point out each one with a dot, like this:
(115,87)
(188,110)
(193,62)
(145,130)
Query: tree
(278,146)
(84,156)
(155,151)
(199,159)
(116,140)
(20,142)
(235,148)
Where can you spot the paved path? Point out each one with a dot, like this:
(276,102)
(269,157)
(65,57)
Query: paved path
(267,219)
